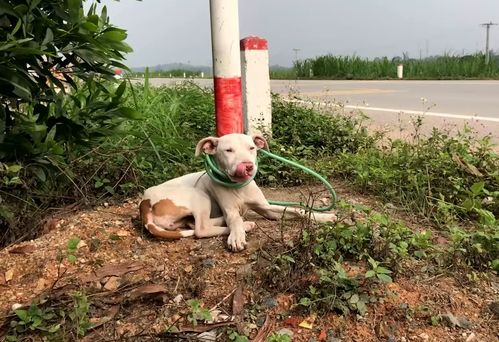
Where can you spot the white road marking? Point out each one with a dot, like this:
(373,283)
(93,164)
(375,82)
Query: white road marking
(404,111)
(423,113)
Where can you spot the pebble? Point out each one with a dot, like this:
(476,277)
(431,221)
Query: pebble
(424,336)
(178,298)
(471,338)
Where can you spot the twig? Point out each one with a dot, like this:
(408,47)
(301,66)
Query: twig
(176,286)
(223,300)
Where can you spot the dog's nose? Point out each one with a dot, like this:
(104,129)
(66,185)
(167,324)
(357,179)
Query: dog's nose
(249,167)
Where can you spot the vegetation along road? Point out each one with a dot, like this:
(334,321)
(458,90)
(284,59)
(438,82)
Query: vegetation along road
(446,104)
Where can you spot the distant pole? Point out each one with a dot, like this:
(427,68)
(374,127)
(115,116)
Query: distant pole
(226,66)
(296,60)
(487,29)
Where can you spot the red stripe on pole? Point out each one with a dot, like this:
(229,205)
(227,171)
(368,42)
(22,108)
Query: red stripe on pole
(253,43)
(228,105)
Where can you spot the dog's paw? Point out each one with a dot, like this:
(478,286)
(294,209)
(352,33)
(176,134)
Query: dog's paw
(248,225)
(237,240)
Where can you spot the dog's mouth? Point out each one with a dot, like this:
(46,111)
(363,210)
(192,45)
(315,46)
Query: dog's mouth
(243,172)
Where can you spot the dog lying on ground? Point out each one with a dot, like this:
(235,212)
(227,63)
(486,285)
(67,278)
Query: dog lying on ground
(216,209)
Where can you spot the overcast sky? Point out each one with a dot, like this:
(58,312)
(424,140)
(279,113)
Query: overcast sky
(167,31)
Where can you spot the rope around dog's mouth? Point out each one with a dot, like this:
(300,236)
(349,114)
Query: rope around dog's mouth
(220,177)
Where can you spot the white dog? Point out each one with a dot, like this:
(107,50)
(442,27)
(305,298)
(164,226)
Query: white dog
(216,209)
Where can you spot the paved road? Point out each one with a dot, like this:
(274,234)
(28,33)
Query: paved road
(393,104)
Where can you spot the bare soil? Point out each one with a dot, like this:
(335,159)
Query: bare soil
(138,286)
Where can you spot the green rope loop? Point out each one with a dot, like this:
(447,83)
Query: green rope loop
(220,177)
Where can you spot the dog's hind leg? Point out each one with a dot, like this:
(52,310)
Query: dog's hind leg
(147,218)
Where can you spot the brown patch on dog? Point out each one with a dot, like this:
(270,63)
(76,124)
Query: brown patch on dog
(144,208)
(166,207)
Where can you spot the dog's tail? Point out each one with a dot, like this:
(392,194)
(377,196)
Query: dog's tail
(147,222)
(168,234)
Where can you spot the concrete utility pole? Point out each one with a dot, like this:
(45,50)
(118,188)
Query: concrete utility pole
(487,53)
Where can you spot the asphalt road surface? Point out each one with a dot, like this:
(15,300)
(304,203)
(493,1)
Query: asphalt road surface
(393,105)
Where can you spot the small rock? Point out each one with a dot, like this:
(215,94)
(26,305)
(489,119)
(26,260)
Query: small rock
(208,263)
(455,321)
(112,284)
(123,233)
(269,303)
(494,308)
(16,306)
(285,331)
(244,270)
(178,298)
(106,204)
(188,269)
(471,338)
(424,336)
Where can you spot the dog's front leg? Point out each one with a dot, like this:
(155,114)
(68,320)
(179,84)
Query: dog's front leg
(237,236)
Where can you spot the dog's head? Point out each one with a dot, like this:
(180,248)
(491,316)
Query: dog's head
(235,153)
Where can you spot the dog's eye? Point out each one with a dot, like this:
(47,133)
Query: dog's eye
(229,150)
(252,148)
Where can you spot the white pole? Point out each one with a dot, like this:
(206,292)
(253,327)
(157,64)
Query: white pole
(257,103)
(226,66)
(400,71)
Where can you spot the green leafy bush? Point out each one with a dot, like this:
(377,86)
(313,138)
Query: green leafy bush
(57,92)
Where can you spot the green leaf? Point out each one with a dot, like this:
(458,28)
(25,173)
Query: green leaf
(22,314)
(73,243)
(354,299)
(39,173)
(115,35)
(91,27)
(370,274)
(384,278)
(477,188)
(71,258)
(305,301)
(381,269)
(130,113)
(14,168)
(361,307)
(49,37)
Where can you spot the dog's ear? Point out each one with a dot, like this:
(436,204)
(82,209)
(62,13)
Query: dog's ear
(207,145)
(260,141)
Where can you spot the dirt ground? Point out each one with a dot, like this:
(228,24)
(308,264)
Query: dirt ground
(138,286)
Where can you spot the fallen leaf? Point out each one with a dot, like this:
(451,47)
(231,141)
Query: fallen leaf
(188,269)
(113,270)
(322,335)
(148,290)
(2,279)
(308,322)
(293,321)
(238,301)
(26,249)
(9,275)
(81,244)
(110,314)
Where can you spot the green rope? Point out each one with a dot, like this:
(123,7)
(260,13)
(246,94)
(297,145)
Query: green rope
(220,177)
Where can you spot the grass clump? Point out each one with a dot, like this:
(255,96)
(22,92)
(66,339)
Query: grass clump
(340,266)
(437,67)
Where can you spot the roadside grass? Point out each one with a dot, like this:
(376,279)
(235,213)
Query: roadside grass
(438,67)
